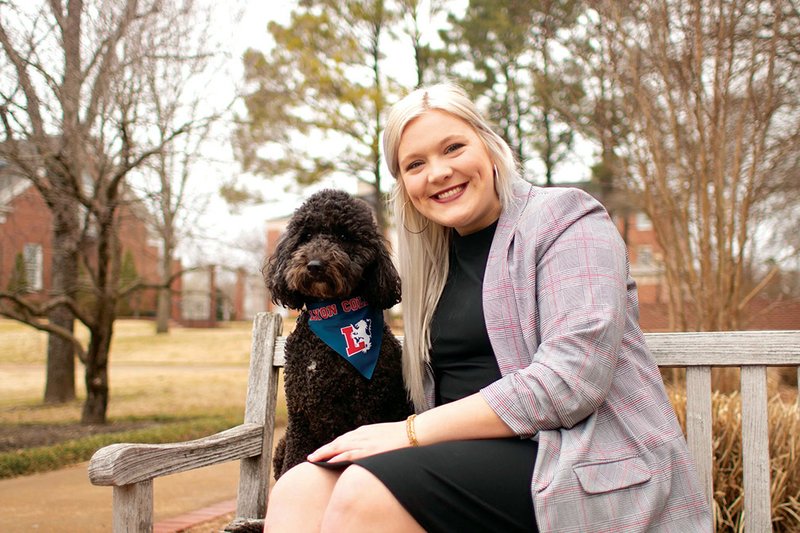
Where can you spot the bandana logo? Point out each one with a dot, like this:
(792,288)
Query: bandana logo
(358,337)
(351,328)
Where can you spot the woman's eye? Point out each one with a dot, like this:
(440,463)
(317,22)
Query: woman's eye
(413,165)
(453,147)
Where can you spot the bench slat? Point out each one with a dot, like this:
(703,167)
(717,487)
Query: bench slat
(755,449)
(725,348)
(698,425)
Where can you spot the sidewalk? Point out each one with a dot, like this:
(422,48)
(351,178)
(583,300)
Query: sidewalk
(64,501)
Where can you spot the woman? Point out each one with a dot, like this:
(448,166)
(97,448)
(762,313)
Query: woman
(539,405)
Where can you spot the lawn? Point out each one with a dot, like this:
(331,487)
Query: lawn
(179,385)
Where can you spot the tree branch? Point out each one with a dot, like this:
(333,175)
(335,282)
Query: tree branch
(22,314)
(47,306)
(33,102)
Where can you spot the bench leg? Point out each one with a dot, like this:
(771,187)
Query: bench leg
(133,508)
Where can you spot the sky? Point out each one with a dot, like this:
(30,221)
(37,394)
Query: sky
(245,27)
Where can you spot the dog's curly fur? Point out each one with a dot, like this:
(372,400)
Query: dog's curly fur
(332,248)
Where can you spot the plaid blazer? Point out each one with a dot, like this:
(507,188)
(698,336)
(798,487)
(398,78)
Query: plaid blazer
(562,315)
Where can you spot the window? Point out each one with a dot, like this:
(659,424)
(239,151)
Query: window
(643,222)
(644,255)
(33,266)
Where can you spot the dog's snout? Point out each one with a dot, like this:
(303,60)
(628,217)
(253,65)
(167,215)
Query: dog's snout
(314,266)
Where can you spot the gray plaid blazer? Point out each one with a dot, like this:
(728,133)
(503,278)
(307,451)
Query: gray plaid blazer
(562,316)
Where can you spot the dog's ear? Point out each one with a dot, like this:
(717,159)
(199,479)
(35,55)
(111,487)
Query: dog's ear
(274,272)
(382,283)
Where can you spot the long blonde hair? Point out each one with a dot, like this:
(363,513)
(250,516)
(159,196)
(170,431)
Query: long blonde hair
(423,256)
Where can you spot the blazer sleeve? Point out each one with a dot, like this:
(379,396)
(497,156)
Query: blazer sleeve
(579,283)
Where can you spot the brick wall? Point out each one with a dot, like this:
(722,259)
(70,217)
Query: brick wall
(25,219)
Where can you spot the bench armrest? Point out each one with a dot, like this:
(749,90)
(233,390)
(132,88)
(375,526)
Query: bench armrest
(124,464)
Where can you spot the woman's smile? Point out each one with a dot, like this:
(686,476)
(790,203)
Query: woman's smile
(450,194)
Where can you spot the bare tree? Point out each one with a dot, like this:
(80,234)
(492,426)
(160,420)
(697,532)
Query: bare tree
(76,122)
(710,94)
(177,93)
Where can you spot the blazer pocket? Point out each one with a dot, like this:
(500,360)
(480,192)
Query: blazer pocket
(606,476)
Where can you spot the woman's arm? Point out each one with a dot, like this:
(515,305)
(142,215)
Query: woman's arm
(468,418)
(573,259)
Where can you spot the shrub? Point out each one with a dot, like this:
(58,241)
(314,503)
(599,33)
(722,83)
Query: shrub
(784,451)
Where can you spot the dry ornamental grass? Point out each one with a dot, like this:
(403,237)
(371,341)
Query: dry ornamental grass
(784,451)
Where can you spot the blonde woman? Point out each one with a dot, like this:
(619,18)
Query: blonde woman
(538,404)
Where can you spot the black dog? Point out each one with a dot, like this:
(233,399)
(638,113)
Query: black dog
(333,264)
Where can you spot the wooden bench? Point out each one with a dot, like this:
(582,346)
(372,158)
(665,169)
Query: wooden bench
(131,468)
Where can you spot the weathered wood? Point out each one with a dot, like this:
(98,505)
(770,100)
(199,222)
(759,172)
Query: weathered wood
(755,450)
(262,396)
(124,464)
(133,508)
(725,348)
(698,425)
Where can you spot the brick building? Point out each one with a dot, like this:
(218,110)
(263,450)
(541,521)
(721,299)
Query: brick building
(26,240)
(647,267)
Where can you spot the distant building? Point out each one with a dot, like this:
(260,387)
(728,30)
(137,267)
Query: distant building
(26,241)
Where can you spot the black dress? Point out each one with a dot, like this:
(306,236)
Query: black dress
(462,486)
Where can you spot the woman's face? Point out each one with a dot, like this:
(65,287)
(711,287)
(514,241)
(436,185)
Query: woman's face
(447,172)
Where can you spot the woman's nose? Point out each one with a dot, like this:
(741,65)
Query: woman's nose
(439,170)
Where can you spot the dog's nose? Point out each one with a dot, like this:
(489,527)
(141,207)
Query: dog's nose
(314,266)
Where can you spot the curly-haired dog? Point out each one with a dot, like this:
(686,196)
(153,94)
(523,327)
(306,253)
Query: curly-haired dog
(343,365)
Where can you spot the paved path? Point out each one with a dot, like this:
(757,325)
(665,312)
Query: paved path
(64,501)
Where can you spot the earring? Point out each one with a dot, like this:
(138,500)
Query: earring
(403,217)
(494,167)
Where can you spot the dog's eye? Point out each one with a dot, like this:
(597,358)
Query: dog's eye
(307,236)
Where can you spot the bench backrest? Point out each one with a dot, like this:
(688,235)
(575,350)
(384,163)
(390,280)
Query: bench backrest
(698,352)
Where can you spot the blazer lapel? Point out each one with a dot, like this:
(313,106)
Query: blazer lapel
(499,301)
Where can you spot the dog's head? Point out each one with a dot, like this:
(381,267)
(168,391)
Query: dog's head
(332,248)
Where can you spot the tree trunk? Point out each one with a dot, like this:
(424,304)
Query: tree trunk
(96,404)
(164,306)
(60,380)
(96,378)
(163,310)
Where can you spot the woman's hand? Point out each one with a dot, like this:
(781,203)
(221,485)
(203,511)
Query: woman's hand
(362,442)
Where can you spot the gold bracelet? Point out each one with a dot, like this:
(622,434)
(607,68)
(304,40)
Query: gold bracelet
(412,435)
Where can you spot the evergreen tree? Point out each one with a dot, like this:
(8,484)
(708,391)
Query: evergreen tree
(321,85)
(18,282)
(507,56)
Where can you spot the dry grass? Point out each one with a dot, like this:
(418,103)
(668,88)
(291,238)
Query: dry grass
(187,372)
(784,450)
(187,380)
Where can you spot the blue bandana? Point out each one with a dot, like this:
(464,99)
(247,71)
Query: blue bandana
(351,328)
